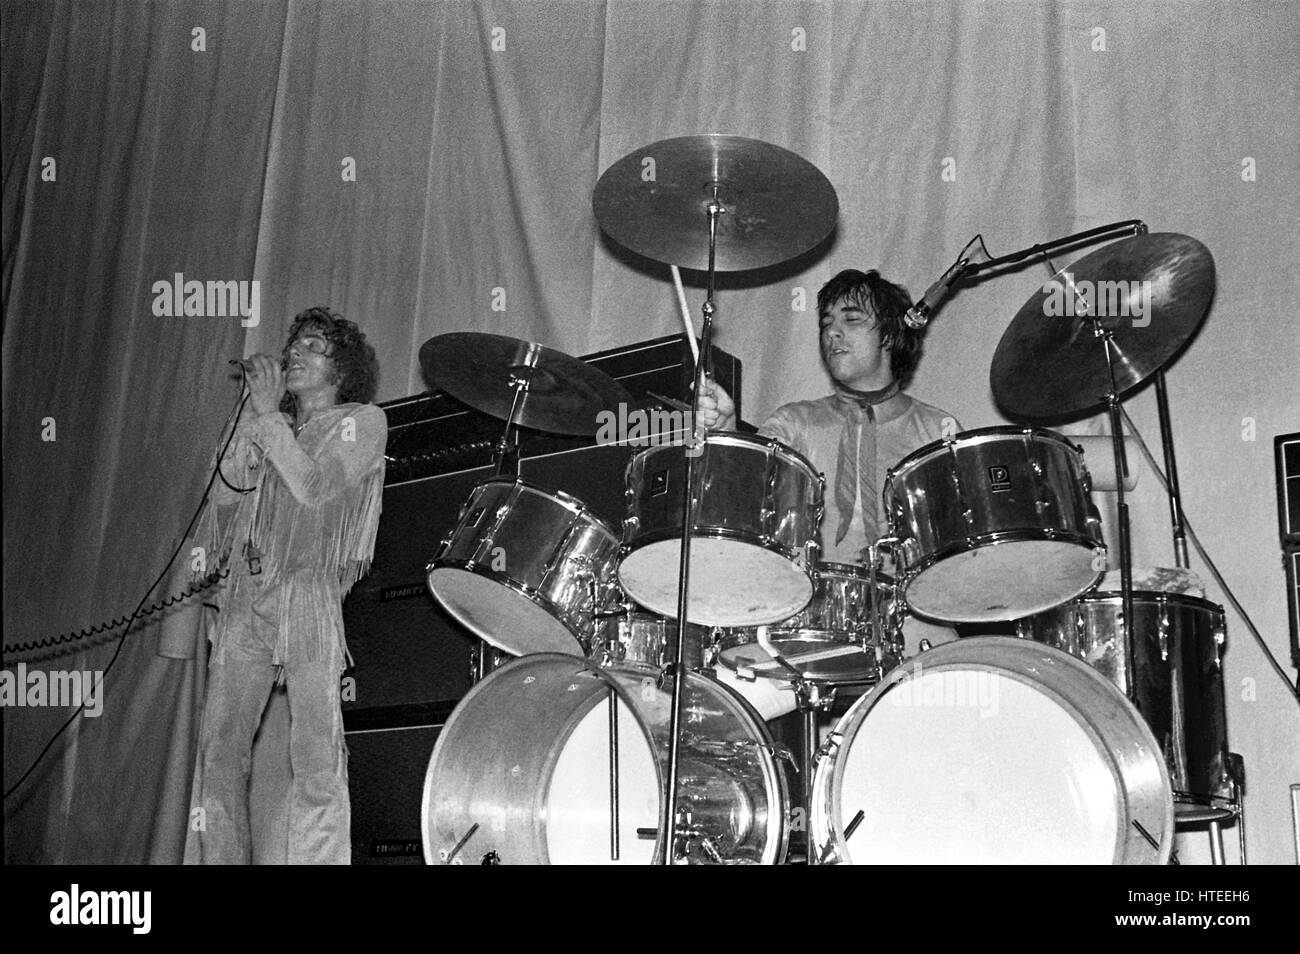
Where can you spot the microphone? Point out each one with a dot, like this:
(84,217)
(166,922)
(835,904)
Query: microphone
(247,365)
(919,314)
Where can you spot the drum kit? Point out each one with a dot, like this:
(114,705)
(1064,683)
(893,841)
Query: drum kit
(621,734)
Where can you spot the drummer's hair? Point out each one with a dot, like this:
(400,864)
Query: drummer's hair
(889,303)
(355,366)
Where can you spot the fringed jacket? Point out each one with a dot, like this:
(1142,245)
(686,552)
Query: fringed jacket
(303,520)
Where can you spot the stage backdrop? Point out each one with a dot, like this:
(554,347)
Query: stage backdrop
(428,167)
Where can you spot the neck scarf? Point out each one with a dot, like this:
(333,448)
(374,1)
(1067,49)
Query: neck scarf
(855,469)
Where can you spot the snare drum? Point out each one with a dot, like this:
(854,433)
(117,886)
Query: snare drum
(1176,678)
(525,568)
(993,750)
(994,524)
(758,508)
(521,773)
(832,640)
(644,639)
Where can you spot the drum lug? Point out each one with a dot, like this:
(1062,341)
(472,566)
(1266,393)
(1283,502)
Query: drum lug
(781,753)
(1164,632)
(829,747)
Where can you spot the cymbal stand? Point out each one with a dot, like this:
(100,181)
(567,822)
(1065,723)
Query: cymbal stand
(505,454)
(1121,468)
(668,819)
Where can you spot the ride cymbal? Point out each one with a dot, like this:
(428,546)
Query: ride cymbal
(655,200)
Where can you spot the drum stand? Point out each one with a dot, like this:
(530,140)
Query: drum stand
(813,698)
(668,819)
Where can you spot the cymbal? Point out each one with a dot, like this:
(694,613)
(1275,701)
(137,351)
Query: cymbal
(564,395)
(1151,291)
(654,201)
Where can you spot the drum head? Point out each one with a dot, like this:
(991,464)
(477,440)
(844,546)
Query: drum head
(732,583)
(989,584)
(993,750)
(499,614)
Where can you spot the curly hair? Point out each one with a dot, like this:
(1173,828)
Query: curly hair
(888,302)
(356,369)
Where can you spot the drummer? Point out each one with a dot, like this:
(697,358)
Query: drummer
(867,424)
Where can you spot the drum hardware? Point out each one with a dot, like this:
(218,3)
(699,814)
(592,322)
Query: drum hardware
(778,205)
(613,775)
(813,698)
(451,857)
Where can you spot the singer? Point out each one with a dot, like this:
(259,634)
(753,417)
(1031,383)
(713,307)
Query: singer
(868,424)
(294,518)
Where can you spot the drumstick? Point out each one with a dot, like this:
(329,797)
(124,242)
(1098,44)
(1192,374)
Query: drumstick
(686,314)
(808,657)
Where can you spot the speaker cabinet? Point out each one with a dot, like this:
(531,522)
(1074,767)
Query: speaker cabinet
(388,755)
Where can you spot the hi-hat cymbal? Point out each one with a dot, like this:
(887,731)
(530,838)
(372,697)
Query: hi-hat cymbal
(1150,291)
(563,396)
(654,201)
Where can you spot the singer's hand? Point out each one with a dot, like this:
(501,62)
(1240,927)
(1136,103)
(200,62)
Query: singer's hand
(265,383)
(717,410)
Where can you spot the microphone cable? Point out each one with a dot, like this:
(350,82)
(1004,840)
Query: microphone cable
(233,423)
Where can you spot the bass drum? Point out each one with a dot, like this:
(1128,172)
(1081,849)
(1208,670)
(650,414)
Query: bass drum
(993,750)
(521,774)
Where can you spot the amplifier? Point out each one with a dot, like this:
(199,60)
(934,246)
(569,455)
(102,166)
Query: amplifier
(1286,452)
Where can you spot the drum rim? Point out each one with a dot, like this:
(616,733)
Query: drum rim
(1162,596)
(566,500)
(461,707)
(740,438)
(985,540)
(1014,644)
(496,576)
(857,570)
(977,435)
(778,812)
(792,555)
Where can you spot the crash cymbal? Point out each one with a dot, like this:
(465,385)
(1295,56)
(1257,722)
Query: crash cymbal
(654,201)
(564,395)
(1151,291)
